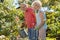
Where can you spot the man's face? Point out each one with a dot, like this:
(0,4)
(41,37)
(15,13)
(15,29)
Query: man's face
(36,6)
(23,7)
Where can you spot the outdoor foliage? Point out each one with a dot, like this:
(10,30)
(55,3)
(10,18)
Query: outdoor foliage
(53,22)
(11,19)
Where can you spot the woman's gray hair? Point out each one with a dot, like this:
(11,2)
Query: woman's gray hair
(37,1)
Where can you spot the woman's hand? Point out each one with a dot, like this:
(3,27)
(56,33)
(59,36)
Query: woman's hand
(36,28)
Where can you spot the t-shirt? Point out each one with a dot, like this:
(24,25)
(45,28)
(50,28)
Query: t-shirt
(30,18)
(38,19)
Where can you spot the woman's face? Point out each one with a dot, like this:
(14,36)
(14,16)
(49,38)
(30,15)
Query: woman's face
(36,6)
(23,7)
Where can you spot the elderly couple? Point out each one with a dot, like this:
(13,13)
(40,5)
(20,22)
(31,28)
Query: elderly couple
(35,20)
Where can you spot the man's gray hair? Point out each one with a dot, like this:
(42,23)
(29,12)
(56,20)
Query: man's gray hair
(25,4)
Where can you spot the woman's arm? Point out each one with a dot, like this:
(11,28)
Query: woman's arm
(42,19)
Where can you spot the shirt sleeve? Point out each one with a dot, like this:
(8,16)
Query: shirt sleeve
(42,11)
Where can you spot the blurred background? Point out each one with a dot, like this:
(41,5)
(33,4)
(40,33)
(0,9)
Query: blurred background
(11,19)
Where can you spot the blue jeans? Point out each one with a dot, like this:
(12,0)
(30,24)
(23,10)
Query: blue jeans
(32,34)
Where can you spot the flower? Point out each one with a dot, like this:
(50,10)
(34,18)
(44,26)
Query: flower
(3,36)
(17,19)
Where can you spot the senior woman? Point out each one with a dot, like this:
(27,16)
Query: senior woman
(40,19)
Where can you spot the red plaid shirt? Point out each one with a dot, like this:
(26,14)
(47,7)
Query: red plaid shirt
(30,18)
